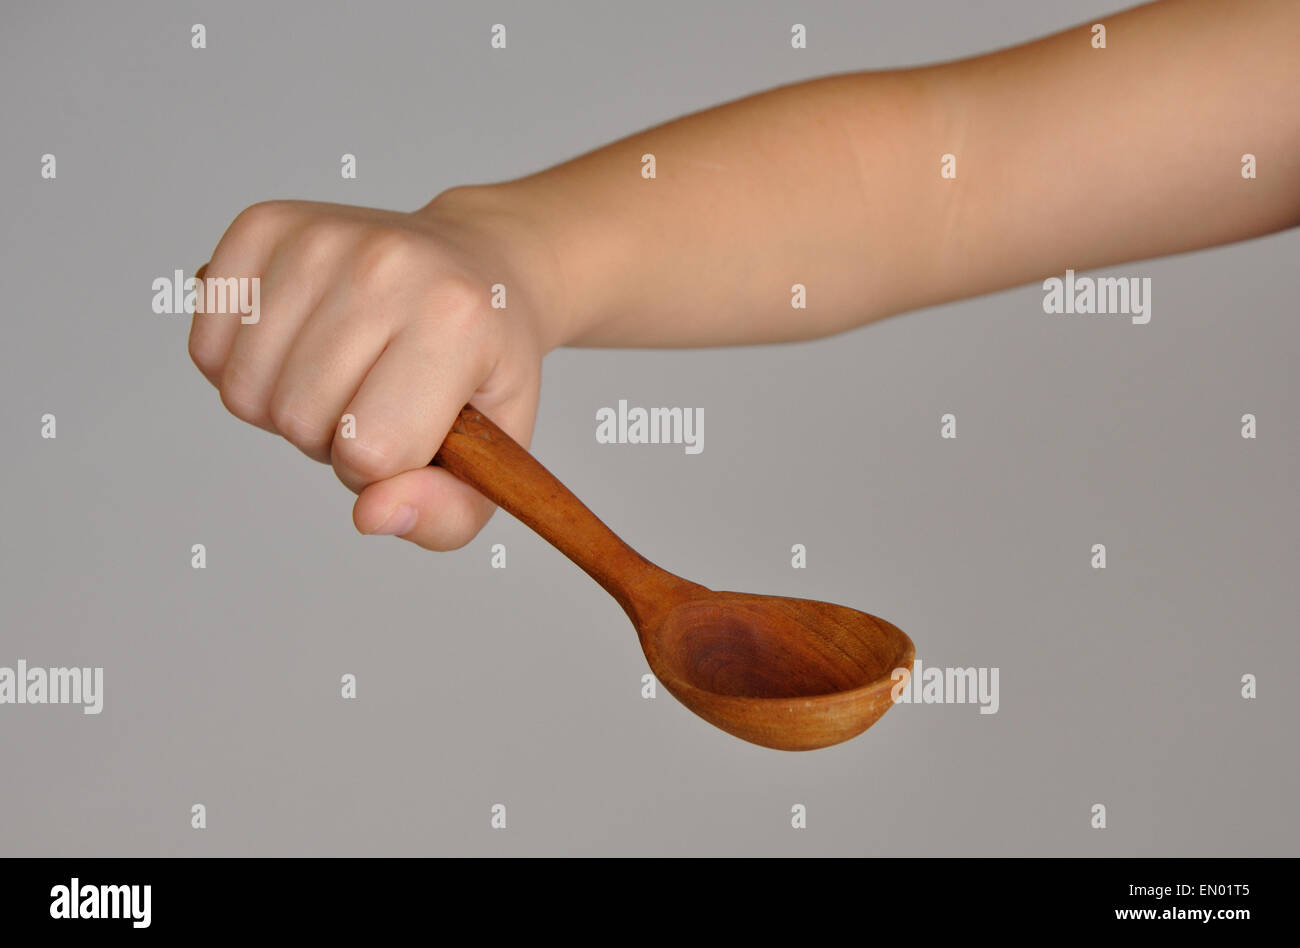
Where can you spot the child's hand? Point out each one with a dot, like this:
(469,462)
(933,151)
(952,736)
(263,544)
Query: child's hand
(801,212)
(389,318)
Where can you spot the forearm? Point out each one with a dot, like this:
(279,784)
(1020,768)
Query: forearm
(1065,156)
(748,199)
(1079,157)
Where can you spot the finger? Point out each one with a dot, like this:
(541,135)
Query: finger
(409,399)
(432,507)
(334,349)
(241,252)
(290,290)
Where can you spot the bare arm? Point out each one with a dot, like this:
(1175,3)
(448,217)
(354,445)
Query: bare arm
(1066,156)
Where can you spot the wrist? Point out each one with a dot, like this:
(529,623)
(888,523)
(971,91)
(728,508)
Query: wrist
(513,241)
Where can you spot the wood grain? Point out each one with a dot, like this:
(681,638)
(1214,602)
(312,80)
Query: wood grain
(792,674)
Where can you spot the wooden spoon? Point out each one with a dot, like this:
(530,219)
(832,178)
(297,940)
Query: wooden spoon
(786,673)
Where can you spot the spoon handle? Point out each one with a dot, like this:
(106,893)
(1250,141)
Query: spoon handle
(494,464)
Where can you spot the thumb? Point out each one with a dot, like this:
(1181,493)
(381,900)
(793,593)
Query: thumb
(431,507)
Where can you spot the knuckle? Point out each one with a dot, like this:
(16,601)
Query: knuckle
(460,301)
(382,258)
(255,218)
(294,425)
(240,399)
(316,241)
(455,311)
(369,459)
(203,356)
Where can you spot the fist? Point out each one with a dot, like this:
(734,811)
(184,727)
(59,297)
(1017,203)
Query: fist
(374,329)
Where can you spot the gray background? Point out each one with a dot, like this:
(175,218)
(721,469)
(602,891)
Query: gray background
(521,686)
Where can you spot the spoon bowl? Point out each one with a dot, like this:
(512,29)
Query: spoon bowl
(792,674)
